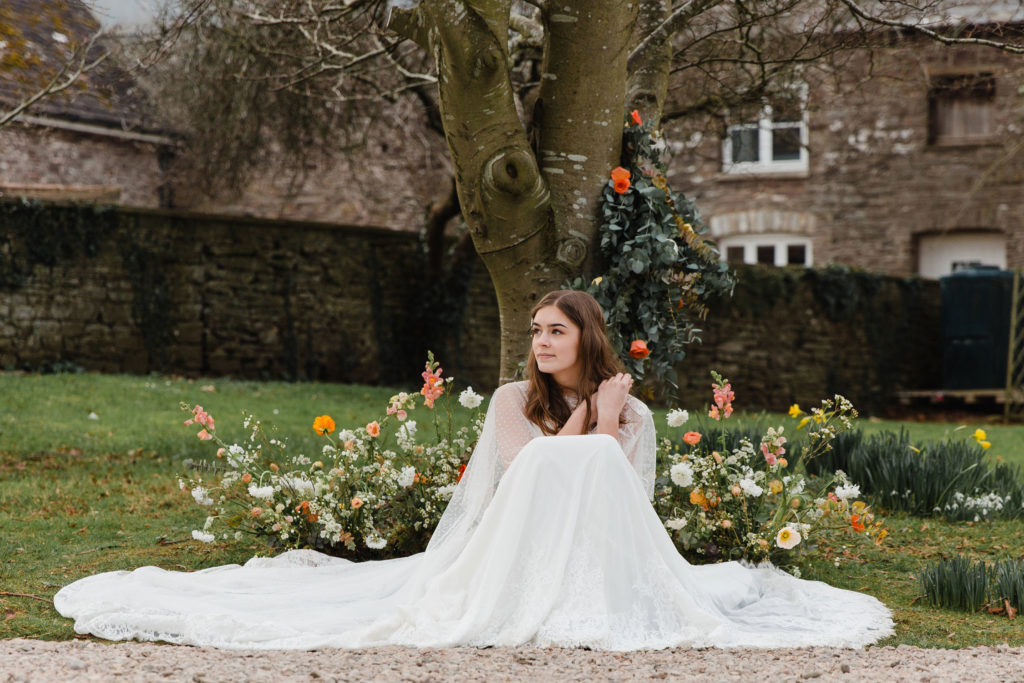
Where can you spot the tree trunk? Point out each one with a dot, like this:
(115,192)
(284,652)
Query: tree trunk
(533,223)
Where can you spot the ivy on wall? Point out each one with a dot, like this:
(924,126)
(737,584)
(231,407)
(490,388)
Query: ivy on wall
(36,234)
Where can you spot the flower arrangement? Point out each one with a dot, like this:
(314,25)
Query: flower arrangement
(750,502)
(371,491)
(658,268)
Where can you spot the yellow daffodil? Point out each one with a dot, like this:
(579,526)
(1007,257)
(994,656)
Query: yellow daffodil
(980,435)
(985,445)
(794,410)
(803,423)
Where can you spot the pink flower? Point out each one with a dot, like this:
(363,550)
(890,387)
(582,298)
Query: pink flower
(768,455)
(373,429)
(714,414)
(204,435)
(189,423)
(433,386)
(402,415)
(392,409)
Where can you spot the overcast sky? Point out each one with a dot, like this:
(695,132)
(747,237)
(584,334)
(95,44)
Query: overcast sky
(123,12)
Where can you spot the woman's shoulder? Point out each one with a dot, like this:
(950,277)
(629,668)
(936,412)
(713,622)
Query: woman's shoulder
(636,407)
(511,391)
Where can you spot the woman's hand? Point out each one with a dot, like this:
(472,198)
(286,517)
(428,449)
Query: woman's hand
(611,398)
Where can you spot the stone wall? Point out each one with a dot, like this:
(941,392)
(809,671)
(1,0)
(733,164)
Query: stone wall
(798,335)
(39,159)
(140,291)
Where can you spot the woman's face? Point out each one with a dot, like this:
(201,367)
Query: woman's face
(556,344)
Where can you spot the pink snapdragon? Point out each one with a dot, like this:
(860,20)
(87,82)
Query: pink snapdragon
(772,446)
(433,386)
(723,398)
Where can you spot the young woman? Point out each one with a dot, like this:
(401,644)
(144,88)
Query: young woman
(549,540)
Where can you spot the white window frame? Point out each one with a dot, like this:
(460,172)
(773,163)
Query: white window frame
(766,127)
(781,242)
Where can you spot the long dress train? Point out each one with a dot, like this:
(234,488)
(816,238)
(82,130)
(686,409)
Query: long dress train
(548,541)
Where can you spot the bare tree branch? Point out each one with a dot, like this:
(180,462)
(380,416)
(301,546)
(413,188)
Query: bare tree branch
(861,13)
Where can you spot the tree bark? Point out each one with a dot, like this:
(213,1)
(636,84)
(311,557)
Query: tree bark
(533,226)
(579,116)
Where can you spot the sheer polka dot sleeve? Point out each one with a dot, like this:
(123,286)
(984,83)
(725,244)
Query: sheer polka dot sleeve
(512,429)
(639,441)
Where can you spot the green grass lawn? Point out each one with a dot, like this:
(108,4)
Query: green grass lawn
(81,495)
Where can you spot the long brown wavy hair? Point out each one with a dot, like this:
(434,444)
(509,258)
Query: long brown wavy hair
(546,406)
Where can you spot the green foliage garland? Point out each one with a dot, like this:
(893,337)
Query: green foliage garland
(658,271)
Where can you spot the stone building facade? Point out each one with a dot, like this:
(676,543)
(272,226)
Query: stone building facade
(103,141)
(918,169)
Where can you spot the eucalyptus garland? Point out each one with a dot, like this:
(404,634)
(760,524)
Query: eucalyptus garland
(658,269)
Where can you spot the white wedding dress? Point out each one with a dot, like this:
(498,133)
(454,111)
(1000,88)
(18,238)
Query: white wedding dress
(548,541)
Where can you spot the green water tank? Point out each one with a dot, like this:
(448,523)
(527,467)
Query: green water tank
(975,328)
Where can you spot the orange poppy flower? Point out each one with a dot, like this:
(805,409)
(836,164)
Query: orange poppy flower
(636,117)
(323,425)
(855,522)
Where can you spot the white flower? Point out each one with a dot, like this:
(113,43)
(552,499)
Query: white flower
(847,491)
(208,523)
(750,488)
(202,536)
(675,524)
(407,431)
(470,399)
(787,538)
(407,476)
(676,418)
(93,416)
(446,492)
(682,474)
(235,449)
(301,485)
(375,541)
(261,492)
(202,496)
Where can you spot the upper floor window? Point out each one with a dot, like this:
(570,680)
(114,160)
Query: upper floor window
(773,142)
(961,109)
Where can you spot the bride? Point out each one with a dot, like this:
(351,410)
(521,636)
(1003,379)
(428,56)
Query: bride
(550,540)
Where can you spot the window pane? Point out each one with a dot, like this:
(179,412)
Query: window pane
(744,144)
(796,255)
(734,254)
(766,254)
(785,143)
(961,107)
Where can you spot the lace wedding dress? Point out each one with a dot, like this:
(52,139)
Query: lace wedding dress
(548,541)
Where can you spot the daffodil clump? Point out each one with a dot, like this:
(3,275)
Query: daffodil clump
(373,491)
(751,502)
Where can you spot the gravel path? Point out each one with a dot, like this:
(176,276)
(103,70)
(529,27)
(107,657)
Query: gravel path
(38,661)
